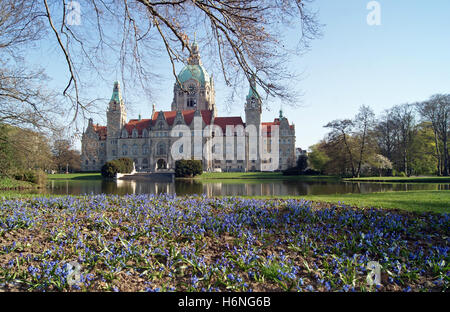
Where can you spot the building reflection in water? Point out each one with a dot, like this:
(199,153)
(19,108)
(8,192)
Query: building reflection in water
(230,188)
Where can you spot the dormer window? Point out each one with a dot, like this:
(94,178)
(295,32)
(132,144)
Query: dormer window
(135,133)
(124,133)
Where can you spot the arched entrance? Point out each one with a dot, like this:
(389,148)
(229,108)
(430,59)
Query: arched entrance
(161,164)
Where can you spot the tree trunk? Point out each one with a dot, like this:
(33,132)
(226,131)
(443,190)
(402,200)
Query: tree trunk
(446,173)
(363,143)
(438,153)
(350,155)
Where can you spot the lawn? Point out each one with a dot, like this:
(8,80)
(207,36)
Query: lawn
(430,179)
(75,176)
(418,201)
(167,243)
(412,201)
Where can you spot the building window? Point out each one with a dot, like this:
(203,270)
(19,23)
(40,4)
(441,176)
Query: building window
(191,102)
(145,133)
(145,149)
(135,149)
(180,150)
(161,149)
(135,133)
(114,152)
(124,150)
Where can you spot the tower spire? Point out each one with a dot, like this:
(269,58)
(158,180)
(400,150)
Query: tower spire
(117,94)
(252,90)
(194,57)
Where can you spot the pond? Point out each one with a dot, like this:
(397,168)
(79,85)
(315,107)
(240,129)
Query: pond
(230,188)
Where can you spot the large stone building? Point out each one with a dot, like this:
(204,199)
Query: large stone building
(191,129)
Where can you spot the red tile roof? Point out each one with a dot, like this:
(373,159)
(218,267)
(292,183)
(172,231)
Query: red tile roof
(188,116)
(269,125)
(223,122)
(101,131)
(140,125)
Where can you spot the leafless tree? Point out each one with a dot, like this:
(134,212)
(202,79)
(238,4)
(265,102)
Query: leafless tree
(340,134)
(24,99)
(245,36)
(364,122)
(404,120)
(386,134)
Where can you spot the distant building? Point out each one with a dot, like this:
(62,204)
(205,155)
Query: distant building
(149,141)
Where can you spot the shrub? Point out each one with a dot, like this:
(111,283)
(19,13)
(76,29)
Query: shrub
(311,172)
(188,168)
(302,163)
(125,164)
(121,165)
(38,176)
(291,171)
(109,169)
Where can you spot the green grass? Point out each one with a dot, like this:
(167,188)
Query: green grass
(259,176)
(414,201)
(75,176)
(28,194)
(11,184)
(431,179)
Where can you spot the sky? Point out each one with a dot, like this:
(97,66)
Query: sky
(405,59)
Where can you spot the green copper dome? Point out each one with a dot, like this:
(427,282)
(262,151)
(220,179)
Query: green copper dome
(196,72)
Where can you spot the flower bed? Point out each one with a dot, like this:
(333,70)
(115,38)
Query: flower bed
(169,243)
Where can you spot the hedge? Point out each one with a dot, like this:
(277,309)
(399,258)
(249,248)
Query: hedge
(121,165)
(188,168)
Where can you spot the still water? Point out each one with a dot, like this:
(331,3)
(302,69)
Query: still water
(228,188)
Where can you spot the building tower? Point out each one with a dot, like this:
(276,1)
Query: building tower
(253,118)
(197,86)
(116,119)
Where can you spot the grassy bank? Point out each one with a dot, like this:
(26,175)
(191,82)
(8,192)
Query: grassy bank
(417,201)
(412,201)
(166,243)
(75,176)
(433,179)
(12,184)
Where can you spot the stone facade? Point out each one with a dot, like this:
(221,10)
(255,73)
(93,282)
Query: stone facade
(191,129)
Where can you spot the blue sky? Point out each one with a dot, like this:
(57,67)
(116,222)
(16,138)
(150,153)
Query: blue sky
(405,59)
